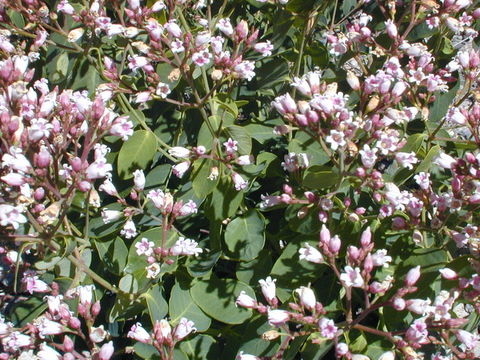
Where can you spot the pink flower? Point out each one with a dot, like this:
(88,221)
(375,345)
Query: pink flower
(327,328)
(245,70)
(448,274)
(14,179)
(468,339)
(183,329)
(144,247)
(311,254)
(406,159)
(225,26)
(417,333)
(188,208)
(48,353)
(239,182)
(264,48)
(65,7)
(173,29)
(245,300)
(48,327)
(98,169)
(138,333)
(32,283)
(284,104)
(181,168)
(122,127)
(278,317)
(201,58)
(163,90)
(391,29)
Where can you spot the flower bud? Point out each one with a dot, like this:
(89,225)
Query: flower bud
(412,276)
(324,235)
(334,245)
(399,304)
(448,274)
(68,345)
(106,351)
(353,81)
(366,237)
(241,31)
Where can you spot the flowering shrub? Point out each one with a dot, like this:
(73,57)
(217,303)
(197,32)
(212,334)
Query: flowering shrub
(239,180)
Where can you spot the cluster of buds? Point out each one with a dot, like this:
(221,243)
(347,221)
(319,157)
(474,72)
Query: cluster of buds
(35,339)
(164,338)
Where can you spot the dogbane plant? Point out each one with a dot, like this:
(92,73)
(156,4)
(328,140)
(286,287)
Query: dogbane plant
(162,162)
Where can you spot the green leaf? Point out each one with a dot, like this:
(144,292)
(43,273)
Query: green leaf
(292,273)
(320,177)
(425,164)
(181,305)
(227,103)
(271,73)
(245,237)
(442,103)
(113,253)
(62,64)
(202,185)
(224,201)
(157,306)
(136,153)
(216,297)
(240,135)
(201,347)
(414,142)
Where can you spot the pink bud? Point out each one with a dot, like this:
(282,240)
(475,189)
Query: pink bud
(412,276)
(84,186)
(287,189)
(448,274)
(39,194)
(76,164)
(353,253)
(74,323)
(325,235)
(242,30)
(399,304)
(68,344)
(366,237)
(334,245)
(368,264)
(106,351)
(476,13)
(96,307)
(43,158)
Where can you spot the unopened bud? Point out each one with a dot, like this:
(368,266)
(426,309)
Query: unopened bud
(96,307)
(366,237)
(412,276)
(68,345)
(353,81)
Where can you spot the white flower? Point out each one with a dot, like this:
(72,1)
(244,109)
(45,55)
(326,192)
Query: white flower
(278,317)
(48,353)
(336,139)
(380,258)
(98,334)
(268,288)
(144,247)
(111,215)
(307,297)
(352,277)
(153,270)
(180,152)
(311,254)
(138,333)
(139,180)
(185,247)
(129,230)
